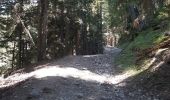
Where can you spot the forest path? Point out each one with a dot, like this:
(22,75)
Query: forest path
(90,77)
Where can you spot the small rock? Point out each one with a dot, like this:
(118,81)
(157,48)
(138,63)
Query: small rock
(15,96)
(84,68)
(33,94)
(77,84)
(106,98)
(46,90)
(41,99)
(25,86)
(131,94)
(167,33)
(79,95)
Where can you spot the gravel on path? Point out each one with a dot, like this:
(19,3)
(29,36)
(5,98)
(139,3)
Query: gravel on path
(88,77)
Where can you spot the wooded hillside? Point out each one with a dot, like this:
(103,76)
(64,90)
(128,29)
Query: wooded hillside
(37,30)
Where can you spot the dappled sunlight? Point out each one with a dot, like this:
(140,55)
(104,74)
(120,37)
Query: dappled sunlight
(81,74)
(90,72)
(14,79)
(67,72)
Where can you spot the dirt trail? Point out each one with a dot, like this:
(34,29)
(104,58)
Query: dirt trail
(90,77)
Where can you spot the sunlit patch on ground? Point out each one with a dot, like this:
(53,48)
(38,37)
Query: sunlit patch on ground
(81,74)
(67,72)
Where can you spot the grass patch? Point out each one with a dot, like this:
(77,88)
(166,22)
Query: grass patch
(145,39)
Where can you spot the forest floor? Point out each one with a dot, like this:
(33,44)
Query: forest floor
(89,77)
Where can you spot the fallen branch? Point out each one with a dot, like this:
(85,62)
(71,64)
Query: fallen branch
(27,32)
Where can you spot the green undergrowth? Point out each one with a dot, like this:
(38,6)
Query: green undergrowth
(144,40)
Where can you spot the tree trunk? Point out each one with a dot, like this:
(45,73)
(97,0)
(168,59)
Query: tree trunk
(148,8)
(42,32)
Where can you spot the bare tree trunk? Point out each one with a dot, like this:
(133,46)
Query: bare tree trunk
(19,32)
(115,40)
(42,32)
(13,55)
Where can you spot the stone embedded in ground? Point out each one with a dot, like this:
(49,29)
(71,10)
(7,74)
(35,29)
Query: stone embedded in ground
(77,84)
(34,94)
(47,90)
(106,98)
(79,95)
